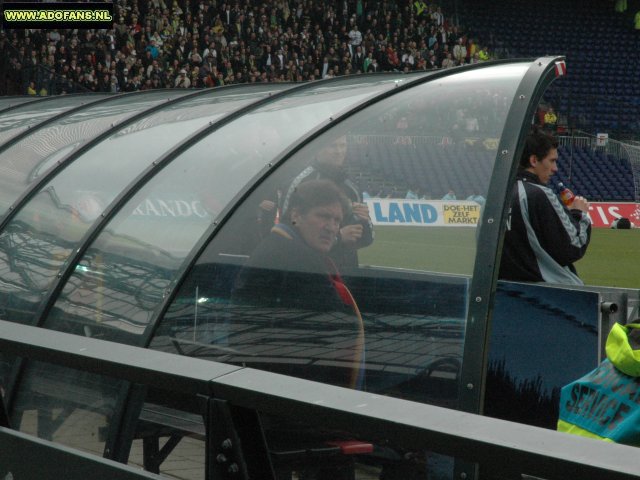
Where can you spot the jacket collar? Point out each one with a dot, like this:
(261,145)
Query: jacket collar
(527,176)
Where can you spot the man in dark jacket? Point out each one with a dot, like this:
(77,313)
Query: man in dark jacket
(356,230)
(291,265)
(543,237)
(289,300)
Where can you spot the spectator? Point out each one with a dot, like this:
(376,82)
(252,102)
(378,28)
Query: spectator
(420,7)
(620,6)
(483,54)
(448,61)
(182,80)
(450,195)
(460,52)
(431,63)
(472,49)
(355,38)
(373,66)
(367,61)
(392,58)
(550,121)
(408,60)
(258,42)
(153,49)
(479,199)
(411,194)
(123,78)
(437,16)
(358,60)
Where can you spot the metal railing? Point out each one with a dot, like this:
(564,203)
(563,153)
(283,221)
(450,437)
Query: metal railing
(622,151)
(608,146)
(26,457)
(504,449)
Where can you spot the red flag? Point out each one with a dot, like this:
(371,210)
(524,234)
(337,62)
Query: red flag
(561,69)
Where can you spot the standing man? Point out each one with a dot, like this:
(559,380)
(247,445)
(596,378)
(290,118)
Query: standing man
(543,237)
(551,121)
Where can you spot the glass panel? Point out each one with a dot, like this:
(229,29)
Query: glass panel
(66,406)
(351,263)
(384,314)
(8,102)
(181,418)
(26,116)
(121,280)
(524,379)
(39,240)
(25,161)
(125,273)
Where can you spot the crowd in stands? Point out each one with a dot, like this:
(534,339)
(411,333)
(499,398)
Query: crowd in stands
(209,43)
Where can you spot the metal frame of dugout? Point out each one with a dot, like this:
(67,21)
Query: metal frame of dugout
(228,397)
(233,396)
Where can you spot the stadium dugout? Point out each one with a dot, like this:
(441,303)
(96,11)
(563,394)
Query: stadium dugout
(126,219)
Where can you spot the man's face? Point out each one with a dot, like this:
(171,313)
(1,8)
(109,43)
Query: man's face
(334,154)
(319,226)
(546,167)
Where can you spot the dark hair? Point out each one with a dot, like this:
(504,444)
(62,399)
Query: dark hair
(538,143)
(316,193)
(621,223)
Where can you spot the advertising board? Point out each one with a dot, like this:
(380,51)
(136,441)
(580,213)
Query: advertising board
(464,213)
(424,213)
(603,214)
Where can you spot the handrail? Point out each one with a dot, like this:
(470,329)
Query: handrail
(22,457)
(501,446)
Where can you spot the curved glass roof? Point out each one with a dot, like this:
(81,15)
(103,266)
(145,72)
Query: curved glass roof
(132,217)
(52,139)
(7,103)
(25,116)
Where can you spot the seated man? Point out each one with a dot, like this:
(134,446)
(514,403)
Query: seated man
(289,299)
(356,230)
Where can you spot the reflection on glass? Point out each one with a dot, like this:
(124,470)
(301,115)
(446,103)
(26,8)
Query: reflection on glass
(124,275)
(66,406)
(271,291)
(126,272)
(10,102)
(417,165)
(39,240)
(356,229)
(274,290)
(307,310)
(19,119)
(23,162)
